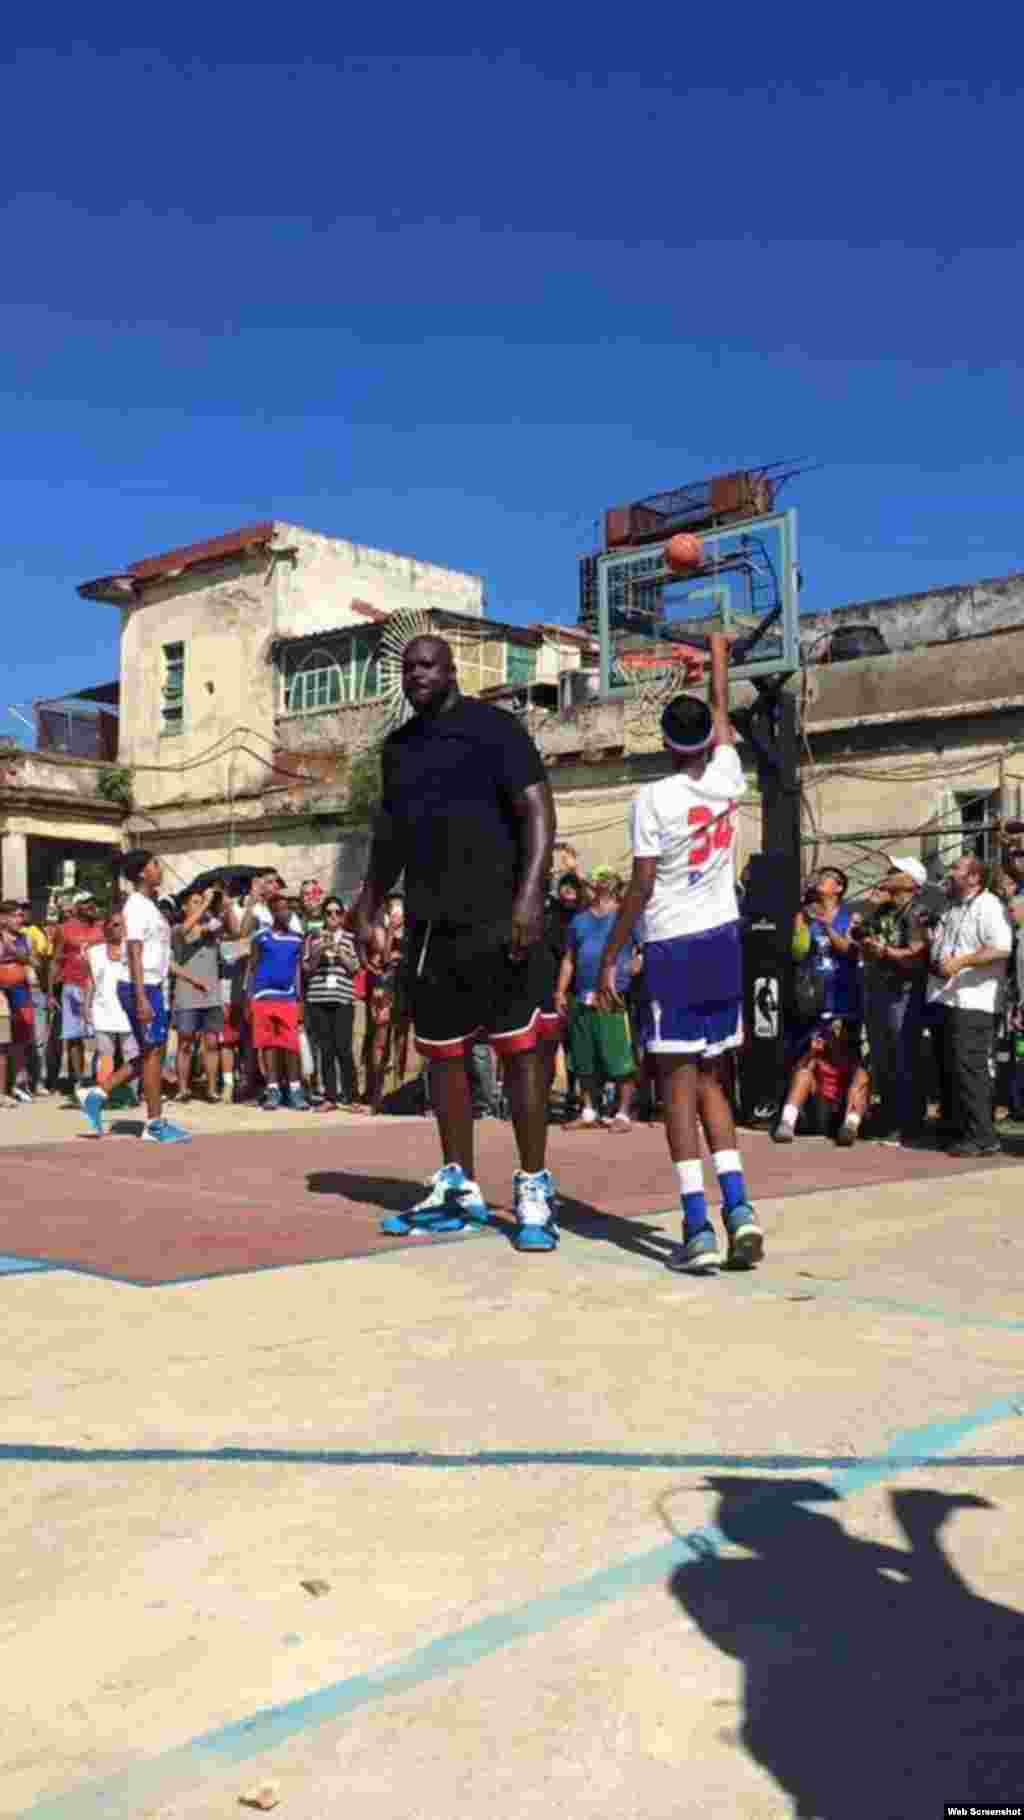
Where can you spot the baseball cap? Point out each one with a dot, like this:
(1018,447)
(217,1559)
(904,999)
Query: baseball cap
(84,897)
(904,862)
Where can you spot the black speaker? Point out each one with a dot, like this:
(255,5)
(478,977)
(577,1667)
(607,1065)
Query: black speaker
(773,888)
(770,902)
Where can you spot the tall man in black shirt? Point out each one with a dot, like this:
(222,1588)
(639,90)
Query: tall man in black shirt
(466,811)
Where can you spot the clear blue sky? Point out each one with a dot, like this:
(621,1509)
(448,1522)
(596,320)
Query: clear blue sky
(456,303)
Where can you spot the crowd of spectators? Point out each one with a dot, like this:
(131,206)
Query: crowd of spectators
(898,1004)
(265,989)
(894,1011)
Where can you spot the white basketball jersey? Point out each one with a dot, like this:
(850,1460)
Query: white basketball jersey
(689,826)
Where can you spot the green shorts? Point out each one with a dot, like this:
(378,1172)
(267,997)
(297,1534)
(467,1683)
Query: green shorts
(599,1044)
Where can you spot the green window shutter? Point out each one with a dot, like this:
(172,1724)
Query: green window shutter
(520,663)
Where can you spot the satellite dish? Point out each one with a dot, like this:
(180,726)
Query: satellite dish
(399,630)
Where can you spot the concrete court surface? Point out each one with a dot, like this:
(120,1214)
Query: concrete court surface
(597,1541)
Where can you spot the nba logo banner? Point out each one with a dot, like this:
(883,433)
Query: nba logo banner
(766,1007)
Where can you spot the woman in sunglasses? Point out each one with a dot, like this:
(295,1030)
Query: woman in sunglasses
(330,965)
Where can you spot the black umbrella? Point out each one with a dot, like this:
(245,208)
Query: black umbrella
(223,875)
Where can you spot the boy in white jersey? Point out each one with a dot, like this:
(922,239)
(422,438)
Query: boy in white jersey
(683,884)
(142,998)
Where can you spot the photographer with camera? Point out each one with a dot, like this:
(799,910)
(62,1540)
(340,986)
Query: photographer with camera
(895,948)
(198,1009)
(828,1013)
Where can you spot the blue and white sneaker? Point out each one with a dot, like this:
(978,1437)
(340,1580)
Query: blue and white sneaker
(92,1101)
(536,1229)
(553,1195)
(746,1240)
(161,1131)
(453,1203)
(271,1101)
(696,1256)
(297,1100)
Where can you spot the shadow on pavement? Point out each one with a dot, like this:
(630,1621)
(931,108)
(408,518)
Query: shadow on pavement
(390,1194)
(394,1195)
(875,1681)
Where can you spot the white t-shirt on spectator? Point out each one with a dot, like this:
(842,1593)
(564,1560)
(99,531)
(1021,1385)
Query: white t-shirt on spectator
(980,923)
(144,923)
(688,825)
(264,919)
(107,1012)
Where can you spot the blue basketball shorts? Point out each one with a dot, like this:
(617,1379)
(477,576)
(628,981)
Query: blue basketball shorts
(693,994)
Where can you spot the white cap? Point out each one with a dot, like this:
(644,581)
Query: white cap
(84,897)
(904,862)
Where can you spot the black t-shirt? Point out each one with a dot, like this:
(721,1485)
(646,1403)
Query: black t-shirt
(448,784)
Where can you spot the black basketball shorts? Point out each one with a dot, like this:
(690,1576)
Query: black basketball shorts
(464,988)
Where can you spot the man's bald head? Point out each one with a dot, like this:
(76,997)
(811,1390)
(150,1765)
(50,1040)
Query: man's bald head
(429,680)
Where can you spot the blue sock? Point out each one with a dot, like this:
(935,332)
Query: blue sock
(694,1200)
(730,1178)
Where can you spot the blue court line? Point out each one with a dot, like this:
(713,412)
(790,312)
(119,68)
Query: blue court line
(817,1289)
(33,1453)
(125,1795)
(15,1267)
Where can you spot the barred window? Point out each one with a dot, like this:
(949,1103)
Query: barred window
(172,706)
(348,670)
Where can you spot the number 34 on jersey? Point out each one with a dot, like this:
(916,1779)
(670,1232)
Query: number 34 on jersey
(713,835)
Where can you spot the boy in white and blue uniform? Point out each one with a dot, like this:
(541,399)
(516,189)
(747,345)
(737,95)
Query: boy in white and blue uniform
(143,1000)
(683,883)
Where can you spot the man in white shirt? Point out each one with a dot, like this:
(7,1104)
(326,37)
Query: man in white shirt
(143,999)
(970,951)
(683,885)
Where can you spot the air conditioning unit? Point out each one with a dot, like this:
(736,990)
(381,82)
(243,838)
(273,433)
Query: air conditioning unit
(576,687)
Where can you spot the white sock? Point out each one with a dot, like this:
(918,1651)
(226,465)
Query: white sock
(691,1177)
(727,1161)
(852,1121)
(228,1083)
(790,1115)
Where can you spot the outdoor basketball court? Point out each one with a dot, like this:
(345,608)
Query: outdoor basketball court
(230,1203)
(430,1528)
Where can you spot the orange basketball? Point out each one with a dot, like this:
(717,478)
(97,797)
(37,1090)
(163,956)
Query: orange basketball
(684,551)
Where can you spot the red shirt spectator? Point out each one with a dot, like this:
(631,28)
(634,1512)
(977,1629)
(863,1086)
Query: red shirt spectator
(76,936)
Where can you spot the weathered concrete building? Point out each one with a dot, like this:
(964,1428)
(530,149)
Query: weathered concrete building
(252,696)
(938,616)
(917,751)
(253,690)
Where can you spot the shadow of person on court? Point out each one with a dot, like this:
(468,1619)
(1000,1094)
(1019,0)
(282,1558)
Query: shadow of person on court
(875,1681)
(638,1237)
(391,1194)
(394,1195)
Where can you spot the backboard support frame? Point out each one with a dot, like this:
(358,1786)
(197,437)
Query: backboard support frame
(752,569)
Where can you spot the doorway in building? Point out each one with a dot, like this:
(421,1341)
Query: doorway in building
(67,866)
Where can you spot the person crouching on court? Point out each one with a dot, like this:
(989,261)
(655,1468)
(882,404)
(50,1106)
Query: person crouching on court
(830,1088)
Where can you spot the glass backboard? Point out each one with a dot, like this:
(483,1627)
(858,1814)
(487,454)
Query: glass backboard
(748,584)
